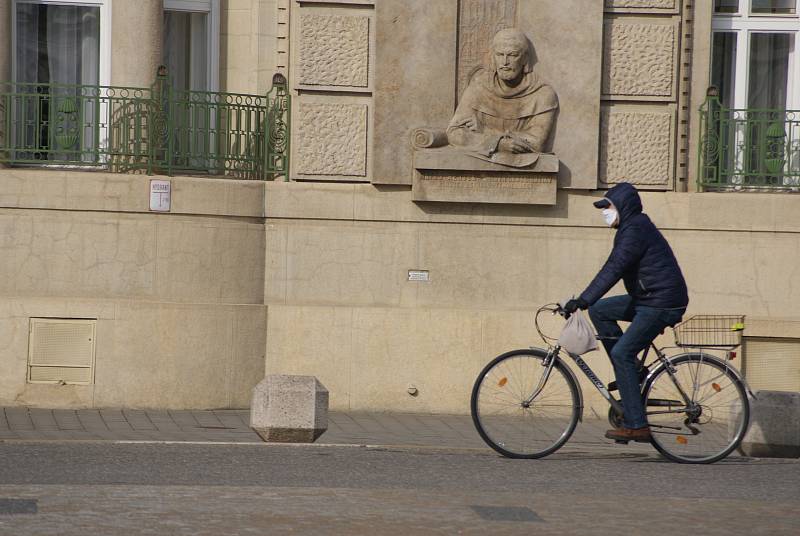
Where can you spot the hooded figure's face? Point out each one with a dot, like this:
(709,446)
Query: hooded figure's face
(611,216)
(509,59)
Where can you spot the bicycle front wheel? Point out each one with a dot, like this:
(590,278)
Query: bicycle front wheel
(514,422)
(714,420)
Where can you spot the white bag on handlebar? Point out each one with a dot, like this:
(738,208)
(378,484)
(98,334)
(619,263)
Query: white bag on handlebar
(577,337)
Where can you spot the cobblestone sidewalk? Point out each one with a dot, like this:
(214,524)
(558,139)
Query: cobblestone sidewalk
(232,426)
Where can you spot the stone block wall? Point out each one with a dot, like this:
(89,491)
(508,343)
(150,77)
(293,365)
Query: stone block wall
(343,308)
(177,297)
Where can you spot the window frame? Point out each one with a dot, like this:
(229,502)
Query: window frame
(212,8)
(104,74)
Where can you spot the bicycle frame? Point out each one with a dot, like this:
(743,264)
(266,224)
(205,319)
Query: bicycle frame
(586,369)
(663,362)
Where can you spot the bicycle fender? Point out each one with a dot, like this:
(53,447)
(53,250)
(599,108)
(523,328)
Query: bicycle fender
(708,357)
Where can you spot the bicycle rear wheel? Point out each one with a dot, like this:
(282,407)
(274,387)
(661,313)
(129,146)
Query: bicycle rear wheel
(714,421)
(514,426)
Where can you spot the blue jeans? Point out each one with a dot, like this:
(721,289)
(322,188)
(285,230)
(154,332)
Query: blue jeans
(646,324)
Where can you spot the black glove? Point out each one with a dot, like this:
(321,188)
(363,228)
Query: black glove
(573,305)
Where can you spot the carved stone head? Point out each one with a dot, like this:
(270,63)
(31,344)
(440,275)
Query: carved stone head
(511,54)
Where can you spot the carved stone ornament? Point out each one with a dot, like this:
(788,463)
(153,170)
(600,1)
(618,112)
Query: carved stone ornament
(498,138)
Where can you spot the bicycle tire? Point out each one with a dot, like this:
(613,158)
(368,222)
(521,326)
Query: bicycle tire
(716,419)
(497,405)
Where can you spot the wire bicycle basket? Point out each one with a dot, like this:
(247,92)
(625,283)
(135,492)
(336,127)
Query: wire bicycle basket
(710,331)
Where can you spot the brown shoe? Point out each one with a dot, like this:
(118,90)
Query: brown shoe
(641,435)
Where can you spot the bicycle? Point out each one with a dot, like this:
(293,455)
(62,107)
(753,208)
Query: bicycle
(526,403)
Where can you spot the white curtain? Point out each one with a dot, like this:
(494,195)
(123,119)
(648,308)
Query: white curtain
(769,76)
(27,45)
(186,49)
(58,44)
(769,70)
(198,77)
(186,57)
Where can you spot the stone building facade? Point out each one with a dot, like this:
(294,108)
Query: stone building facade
(343,269)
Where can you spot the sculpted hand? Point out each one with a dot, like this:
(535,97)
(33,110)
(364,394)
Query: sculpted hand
(469,124)
(512,145)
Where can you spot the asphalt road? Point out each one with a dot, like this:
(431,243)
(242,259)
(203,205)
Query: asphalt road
(112,488)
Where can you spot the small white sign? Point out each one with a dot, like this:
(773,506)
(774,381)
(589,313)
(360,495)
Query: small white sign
(160,195)
(418,275)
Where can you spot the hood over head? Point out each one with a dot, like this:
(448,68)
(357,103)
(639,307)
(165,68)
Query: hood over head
(626,199)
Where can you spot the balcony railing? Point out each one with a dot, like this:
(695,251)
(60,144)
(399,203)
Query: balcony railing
(147,130)
(748,149)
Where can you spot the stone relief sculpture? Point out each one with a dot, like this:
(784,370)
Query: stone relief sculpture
(506,114)
(495,148)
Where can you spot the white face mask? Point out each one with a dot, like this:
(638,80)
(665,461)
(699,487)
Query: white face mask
(610,216)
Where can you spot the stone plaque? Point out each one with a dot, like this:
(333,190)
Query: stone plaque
(449,175)
(427,52)
(478,21)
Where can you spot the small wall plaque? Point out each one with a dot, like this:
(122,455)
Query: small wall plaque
(160,195)
(418,275)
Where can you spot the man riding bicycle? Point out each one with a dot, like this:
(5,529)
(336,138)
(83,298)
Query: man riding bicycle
(657,298)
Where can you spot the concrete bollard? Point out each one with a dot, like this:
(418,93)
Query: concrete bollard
(774,426)
(289,409)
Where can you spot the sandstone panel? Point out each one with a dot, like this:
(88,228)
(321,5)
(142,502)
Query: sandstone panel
(636,147)
(331,139)
(639,60)
(567,37)
(333,50)
(415,77)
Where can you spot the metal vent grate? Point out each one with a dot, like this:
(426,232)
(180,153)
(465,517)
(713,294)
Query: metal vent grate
(61,350)
(772,364)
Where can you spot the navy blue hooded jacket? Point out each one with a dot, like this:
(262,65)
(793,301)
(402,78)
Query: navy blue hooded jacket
(641,257)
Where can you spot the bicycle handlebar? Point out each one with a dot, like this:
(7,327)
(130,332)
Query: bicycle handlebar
(553,308)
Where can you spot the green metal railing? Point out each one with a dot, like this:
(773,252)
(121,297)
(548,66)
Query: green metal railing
(748,149)
(147,130)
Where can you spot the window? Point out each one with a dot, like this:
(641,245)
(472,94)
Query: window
(191,54)
(783,7)
(60,49)
(756,7)
(726,6)
(64,42)
(191,44)
(756,69)
(755,57)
